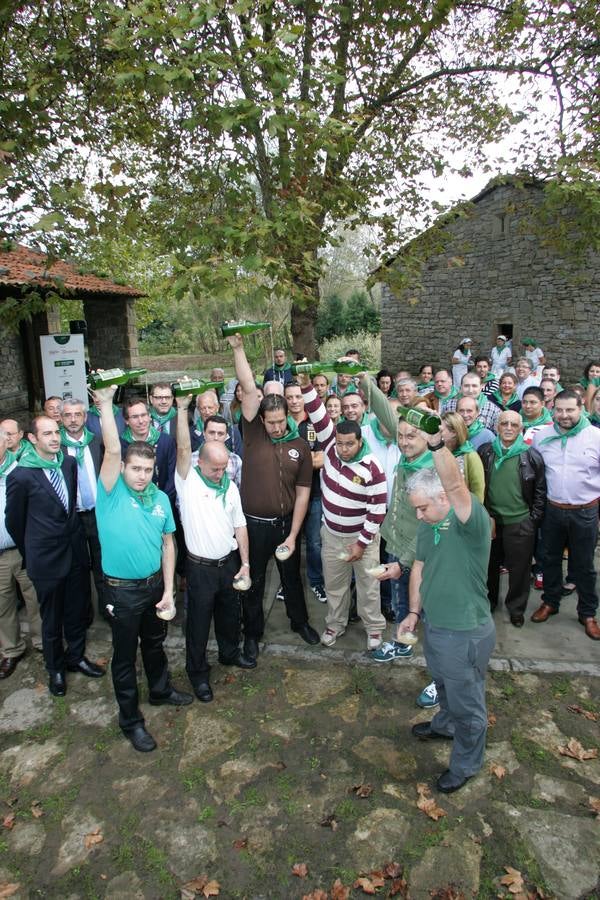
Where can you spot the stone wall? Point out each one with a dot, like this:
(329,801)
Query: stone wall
(112,332)
(494,270)
(14,394)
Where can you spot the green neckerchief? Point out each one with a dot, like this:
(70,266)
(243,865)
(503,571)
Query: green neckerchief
(162,420)
(595,418)
(152,439)
(147,497)
(381,437)
(453,393)
(467,447)
(349,389)
(424,384)
(9,459)
(236,416)
(86,438)
(564,436)
(30,459)
(23,444)
(504,453)
(408,466)
(360,455)
(501,402)
(481,400)
(475,428)
(291,434)
(94,411)
(542,419)
(221,487)
(280,369)
(439,527)
(489,377)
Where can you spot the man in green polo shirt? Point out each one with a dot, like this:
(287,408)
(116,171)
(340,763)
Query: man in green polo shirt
(448,582)
(135,526)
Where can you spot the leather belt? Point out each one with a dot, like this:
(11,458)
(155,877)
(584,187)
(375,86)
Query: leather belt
(574,505)
(202,561)
(279,520)
(134,582)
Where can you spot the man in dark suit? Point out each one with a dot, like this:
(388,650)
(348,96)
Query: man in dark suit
(41,517)
(140,428)
(86,448)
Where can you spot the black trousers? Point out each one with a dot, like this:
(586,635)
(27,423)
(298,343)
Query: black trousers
(88,520)
(63,609)
(576,529)
(134,621)
(210,593)
(264,538)
(513,547)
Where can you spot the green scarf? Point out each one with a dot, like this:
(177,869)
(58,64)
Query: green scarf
(475,428)
(424,384)
(453,393)
(439,527)
(236,415)
(23,444)
(408,466)
(221,487)
(9,459)
(162,420)
(542,419)
(361,453)
(564,436)
(595,418)
(291,434)
(94,411)
(501,402)
(467,447)
(503,453)
(482,400)
(147,497)
(30,459)
(152,439)
(80,445)
(381,437)
(283,368)
(489,377)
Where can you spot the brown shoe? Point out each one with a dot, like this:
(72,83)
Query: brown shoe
(543,613)
(592,629)
(9,664)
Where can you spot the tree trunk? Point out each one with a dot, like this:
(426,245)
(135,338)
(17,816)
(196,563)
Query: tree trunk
(303,328)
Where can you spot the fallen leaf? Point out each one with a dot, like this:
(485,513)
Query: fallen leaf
(498,770)
(211,889)
(271,692)
(427,804)
(393,870)
(36,809)
(12,801)
(94,837)
(190,889)
(595,805)
(513,880)
(300,870)
(8,889)
(222,823)
(103,661)
(240,844)
(280,765)
(363,790)
(576,751)
(365,884)
(377,879)
(40,689)
(229,679)
(586,713)
(329,822)
(339,891)
(103,877)
(317,894)
(9,821)
(398,886)
(448,893)
(491,720)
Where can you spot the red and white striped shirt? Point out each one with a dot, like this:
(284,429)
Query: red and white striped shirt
(353,494)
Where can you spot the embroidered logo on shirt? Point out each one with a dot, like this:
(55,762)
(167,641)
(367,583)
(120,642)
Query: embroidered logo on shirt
(293,453)
(158,511)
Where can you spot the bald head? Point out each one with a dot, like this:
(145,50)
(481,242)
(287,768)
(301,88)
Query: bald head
(272,387)
(510,425)
(468,410)
(212,460)
(14,434)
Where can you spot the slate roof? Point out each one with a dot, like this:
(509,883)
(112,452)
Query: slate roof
(24,266)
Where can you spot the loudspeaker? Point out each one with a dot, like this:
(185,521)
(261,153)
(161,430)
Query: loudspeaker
(78,326)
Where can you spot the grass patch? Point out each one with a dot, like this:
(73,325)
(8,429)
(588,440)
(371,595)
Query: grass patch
(205,814)
(155,861)
(430,837)
(529,753)
(350,810)
(195,778)
(55,807)
(507,851)
(363,682)
(252,797)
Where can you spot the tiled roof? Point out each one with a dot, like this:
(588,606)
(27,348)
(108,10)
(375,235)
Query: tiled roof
(24,266)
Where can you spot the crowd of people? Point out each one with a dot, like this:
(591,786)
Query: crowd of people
(399,525)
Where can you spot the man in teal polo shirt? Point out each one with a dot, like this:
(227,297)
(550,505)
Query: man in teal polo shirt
(135,526)
(448,581)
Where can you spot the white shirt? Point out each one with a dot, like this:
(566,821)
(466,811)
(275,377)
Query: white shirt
(88,462)
(208,525)
(500,359)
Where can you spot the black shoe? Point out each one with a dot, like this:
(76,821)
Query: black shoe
(517,620)
(447,783)
(203,692)
(240,661)
(175,698)
(307,633)
(424,732)
(251,650)
(141,739)
(87,668)
(9,664)
(57,684)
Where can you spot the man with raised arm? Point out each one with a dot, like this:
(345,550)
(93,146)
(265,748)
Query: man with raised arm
(135,525)
(276,482)
(448,586)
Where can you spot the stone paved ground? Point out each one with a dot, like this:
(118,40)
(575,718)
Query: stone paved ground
(243,789)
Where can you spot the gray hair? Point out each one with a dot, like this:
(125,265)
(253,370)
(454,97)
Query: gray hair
(3,434)
(273,387)
(410,381)
(72,401)
(425,481)
(524,359)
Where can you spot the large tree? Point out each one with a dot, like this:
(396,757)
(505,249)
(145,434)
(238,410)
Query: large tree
(241,133)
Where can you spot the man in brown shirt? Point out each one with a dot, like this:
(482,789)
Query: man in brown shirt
(276,482)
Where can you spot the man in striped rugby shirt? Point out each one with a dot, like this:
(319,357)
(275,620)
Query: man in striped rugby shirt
(353,493)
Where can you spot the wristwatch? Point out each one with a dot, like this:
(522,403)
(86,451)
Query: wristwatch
(435,447)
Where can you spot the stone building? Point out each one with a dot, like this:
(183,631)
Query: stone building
(27,278)
(487,270)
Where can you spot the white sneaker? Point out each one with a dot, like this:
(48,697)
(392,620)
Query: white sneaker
(319,593)
(374,641)
(428,697)
(329,637)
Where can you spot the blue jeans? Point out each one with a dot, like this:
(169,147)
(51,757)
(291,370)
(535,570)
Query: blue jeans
(399,590)
(312,536)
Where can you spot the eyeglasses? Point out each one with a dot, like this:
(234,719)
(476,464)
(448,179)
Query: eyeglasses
(162,397)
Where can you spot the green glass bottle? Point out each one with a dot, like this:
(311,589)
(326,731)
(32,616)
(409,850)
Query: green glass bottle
(244,327)
(97,380)
(425,421)
(310,368)
(348,367)
(195,386)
